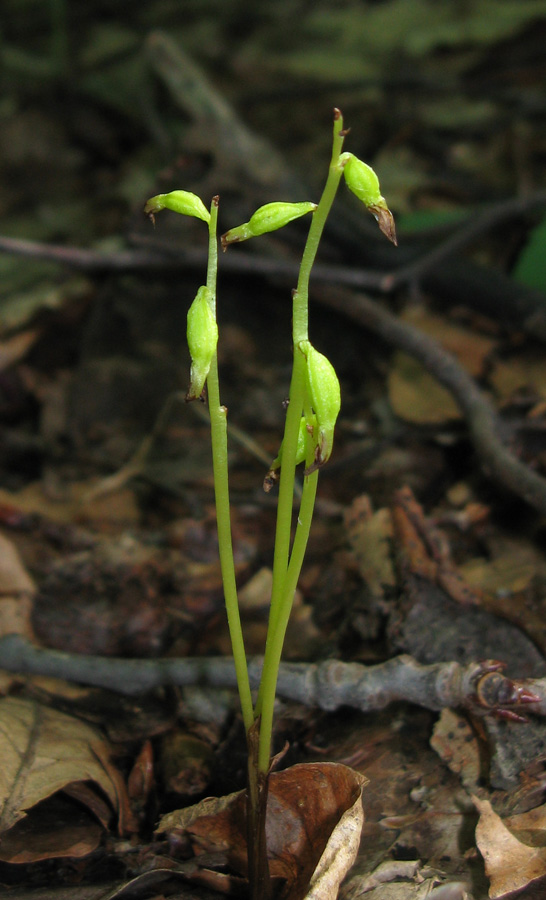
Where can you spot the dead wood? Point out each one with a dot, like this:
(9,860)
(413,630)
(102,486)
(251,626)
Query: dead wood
(327,685)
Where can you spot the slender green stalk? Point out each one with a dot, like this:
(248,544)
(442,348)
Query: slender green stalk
(275,644)
(286,568)
(300,319)
(315,392)
(218,427)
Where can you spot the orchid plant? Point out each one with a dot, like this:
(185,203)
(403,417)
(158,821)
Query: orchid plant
(314,404)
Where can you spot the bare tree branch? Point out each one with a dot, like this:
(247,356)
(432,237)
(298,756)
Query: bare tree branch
(328,685)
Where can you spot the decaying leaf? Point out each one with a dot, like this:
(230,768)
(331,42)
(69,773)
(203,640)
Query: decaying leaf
(314,810)
(370,536)
(510,864)
(455,743)
(44,751)
(339,854)
(414,394)
(56,828)
(16,591)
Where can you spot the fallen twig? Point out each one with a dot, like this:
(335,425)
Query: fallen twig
(328,685)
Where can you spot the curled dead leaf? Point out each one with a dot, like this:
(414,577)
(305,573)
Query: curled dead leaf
(314,820)
(43,752)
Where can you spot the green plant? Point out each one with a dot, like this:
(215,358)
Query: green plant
(314,403)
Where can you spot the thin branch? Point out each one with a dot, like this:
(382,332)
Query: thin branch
(327,685)
(82,259)
(158,253)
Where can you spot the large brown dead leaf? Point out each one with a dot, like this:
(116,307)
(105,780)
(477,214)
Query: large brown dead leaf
(510,863)
(305,805)
(44,751)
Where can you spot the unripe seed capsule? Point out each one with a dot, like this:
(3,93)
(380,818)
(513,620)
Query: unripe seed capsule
(364,183)
(183,202)
(202,334)
(325,398)
(270,217)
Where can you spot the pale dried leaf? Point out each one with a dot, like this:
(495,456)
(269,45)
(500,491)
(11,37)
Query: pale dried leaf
(457,745)
(370,536)
(44,751)
(509,864)
(339,854)
(14,578)
(16,592)
(416,396)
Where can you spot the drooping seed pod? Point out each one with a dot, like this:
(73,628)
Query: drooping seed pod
(270,217)
(202,334)
(183,202)
(364,183)
(325,397)
(307,427)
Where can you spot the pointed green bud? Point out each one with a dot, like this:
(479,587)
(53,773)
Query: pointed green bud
(307,427)
(183,202)
(325,398)
(270,217)
(364,183)
(202,333)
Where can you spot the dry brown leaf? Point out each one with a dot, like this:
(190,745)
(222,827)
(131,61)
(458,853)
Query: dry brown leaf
(339,854)
(306,804)
(530,826)
(457,745)
(115,510)
(16,592)
(471,348)
(57,828)
(510,864)
(370,536)
(414,394)
(526,371)
(44,751)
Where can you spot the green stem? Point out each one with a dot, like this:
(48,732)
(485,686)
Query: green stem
(218,427)
(272,658)
(286,569)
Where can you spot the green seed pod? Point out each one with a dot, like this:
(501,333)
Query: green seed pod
(183,202)
(325,398)
(364,183)
(270,217)
(202,334)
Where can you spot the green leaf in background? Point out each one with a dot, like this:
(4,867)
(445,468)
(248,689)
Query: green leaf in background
(531,266)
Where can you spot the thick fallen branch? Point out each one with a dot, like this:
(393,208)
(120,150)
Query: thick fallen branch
(327,685)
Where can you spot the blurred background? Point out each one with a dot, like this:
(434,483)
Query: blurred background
(104,103)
